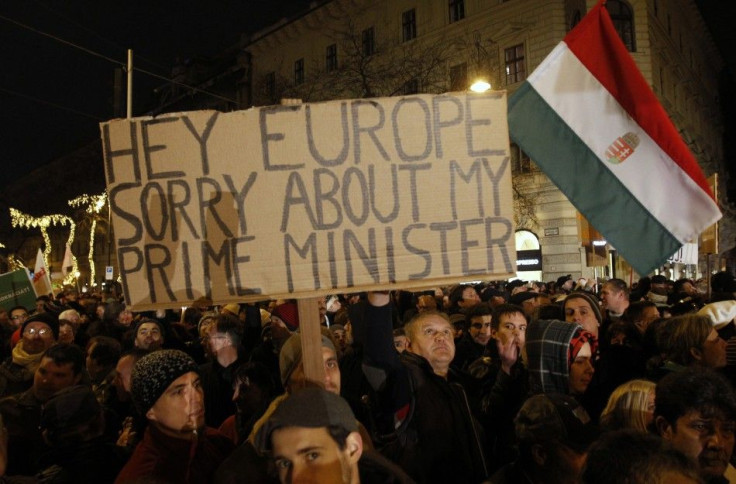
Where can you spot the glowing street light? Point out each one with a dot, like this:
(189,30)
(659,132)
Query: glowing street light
(481,85)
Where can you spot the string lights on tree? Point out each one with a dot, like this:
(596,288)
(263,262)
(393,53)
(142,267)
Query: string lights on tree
(20,219)
(94,204)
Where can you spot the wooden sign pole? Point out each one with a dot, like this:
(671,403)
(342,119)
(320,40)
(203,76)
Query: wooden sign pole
(309,327)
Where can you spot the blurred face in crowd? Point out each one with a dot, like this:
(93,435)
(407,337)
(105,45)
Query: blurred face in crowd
(37,337)
(123,370)
(707,440)
(480,329)
(432,337)
(426,303)
(581,371)
(578,310)
(613,300)
(100,310)
(298,380)
(340,338)
(180,409)
(311,455)
(148,336)
(400,343)
(714,351)
(511,326)
(218,340)
(18,317)
(125,317)
(66,333)
(470,298)
(649,314)
(51,377)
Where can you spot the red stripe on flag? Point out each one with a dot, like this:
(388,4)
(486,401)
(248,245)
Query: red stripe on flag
(595,42)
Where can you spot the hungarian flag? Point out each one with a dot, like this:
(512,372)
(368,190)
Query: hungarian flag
(591,122)
(41,280)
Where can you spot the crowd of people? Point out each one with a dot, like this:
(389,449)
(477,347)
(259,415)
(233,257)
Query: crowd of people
(502,382)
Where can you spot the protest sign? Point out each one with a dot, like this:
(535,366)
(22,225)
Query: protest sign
(16,290)
(309,199)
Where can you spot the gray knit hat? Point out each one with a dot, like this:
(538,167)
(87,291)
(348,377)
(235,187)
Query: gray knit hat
(153,374)
(291,355)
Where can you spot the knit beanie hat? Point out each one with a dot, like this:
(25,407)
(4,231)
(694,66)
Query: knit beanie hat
(578,340)
(153,374)
(591,299)
(45,318)
(288,313)
(291,355)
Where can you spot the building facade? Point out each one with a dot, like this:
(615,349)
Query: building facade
(372,48)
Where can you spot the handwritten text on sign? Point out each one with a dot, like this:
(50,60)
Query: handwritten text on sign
(303,200)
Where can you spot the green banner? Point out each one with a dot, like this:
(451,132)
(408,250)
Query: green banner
(16,290)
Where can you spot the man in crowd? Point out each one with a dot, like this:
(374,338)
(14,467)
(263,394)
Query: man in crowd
(149,335)
(436,434)
(695,410)
(38,333)
(176,446)
(60,367)
(313,437)
(218,375)
(615,300)
(472,344)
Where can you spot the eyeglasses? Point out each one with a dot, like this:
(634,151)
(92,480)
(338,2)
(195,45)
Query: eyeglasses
(38,331)
(19,316)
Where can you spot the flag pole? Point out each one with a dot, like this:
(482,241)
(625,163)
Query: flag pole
(130,84)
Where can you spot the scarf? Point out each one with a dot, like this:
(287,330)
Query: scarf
(26,360)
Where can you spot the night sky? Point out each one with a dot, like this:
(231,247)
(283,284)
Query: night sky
(53,96)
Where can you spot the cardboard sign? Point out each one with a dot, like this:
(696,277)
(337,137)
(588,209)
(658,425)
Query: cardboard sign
(16,289)
(310,199)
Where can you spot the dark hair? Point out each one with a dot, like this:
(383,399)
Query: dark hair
(258,374)
(619,285)
(677,287)
(634,312)
(694,389)
(339,435)
(503,309)
(230,325)
(10,311)
(106,350)
(63,353)
(399,332)
(549,311)
(636,458)
(480,309)
(457,293)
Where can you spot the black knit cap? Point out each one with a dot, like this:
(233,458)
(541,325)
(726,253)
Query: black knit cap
(45,318)
(311,408)
(153,374)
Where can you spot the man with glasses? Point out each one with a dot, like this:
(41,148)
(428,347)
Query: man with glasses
(18,315)
(38,333)
(218,375)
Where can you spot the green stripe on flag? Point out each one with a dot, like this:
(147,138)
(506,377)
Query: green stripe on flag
(585,180)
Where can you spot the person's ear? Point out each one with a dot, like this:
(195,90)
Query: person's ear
(664,429)
(696,354)
(354,446)
(539,454)
(151,415)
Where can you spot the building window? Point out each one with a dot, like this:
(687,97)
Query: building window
(368,38)
(515,65)
(457,10)
(575,19)
(520,161)
(459,77)
(269,86)
(623,20)
(299,71)
(409,25)
(411,87)
(331,58)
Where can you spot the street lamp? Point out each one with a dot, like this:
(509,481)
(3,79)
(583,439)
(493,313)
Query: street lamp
(481,85)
